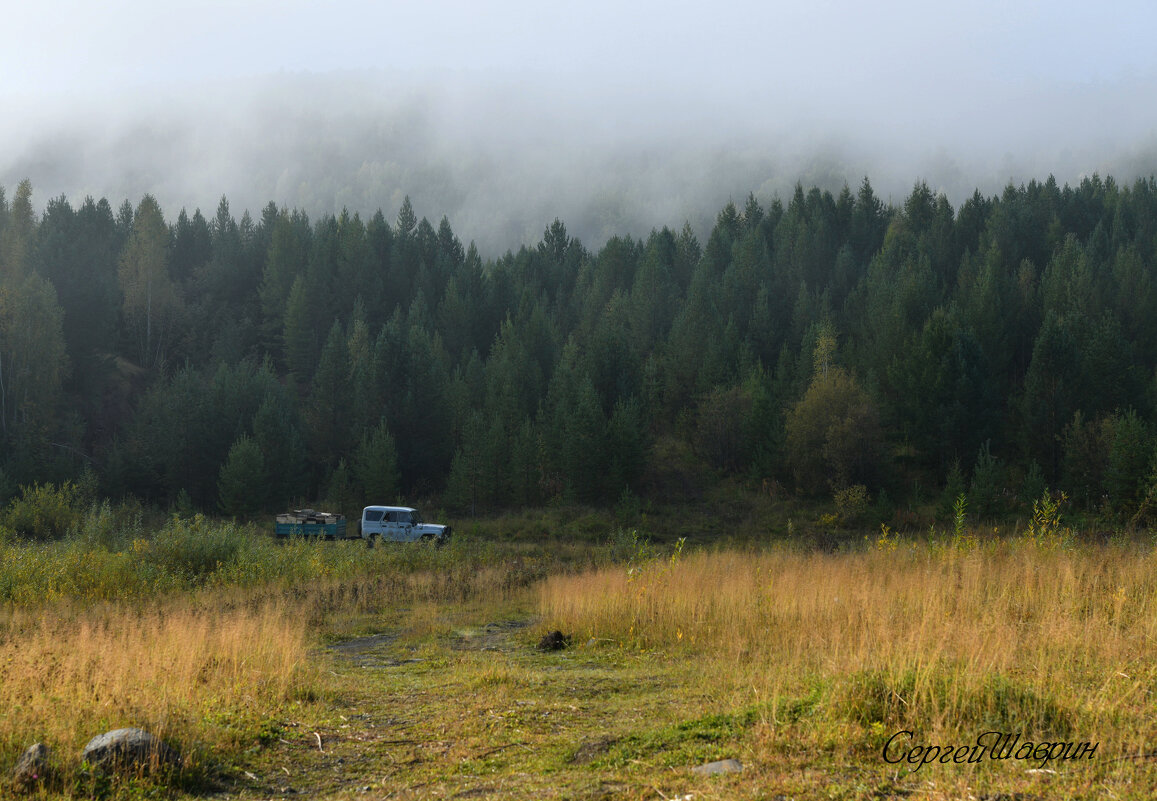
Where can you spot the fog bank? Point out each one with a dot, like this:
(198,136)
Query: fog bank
(502,155)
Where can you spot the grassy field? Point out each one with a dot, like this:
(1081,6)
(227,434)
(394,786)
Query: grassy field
(328,670)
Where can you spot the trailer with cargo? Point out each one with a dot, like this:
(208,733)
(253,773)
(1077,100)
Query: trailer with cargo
(311,523)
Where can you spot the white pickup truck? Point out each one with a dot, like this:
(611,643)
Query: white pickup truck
(400,524)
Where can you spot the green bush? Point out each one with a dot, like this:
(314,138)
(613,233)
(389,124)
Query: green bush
(109,527)
(43,511)
(35,573)
(193,548)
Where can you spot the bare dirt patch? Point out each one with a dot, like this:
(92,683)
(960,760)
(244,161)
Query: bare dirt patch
(496,636)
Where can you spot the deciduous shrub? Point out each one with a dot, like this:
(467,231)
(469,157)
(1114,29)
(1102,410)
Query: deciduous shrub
(194,548)
(43,511)
(851,503)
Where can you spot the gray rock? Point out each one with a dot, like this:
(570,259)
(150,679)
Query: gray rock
(33,766)
(715,768)
(128,748)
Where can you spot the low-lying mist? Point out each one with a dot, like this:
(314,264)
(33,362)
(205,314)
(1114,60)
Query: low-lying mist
(501,158)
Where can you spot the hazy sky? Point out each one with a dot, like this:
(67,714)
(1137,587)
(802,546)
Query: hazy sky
(967,95)
(66,46)
(76,45)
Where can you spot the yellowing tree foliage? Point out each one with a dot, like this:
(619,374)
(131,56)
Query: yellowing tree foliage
(833,434)
(150,300)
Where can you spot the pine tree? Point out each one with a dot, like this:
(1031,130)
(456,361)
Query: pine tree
(300,337)
(470,482)
(329,408)
(987,482)
(375,466)
(278,433)
(585,451)
(285,261)
(1129,453)
(627,443)
(242,485)
(1050,393)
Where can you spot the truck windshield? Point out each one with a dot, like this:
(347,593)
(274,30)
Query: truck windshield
(416,517)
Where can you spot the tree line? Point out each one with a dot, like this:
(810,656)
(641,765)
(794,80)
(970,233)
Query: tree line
(825,342)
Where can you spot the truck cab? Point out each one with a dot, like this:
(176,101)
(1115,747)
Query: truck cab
(400,524)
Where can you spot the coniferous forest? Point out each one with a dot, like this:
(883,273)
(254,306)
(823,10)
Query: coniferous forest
(820,342)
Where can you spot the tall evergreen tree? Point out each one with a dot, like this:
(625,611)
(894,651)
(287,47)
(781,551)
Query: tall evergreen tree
(375,466)
(329,409)
(285,261)
(277,431)
(242,486)
(1050,393)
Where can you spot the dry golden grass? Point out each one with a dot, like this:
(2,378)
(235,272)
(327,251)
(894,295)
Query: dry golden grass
(213,671)
(1055,642)
(201,677)
(801,664)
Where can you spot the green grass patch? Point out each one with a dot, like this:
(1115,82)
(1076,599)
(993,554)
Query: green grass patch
(949,698)
(688,742)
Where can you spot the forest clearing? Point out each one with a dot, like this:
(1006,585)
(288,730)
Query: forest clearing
(331,670)
(650,401)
